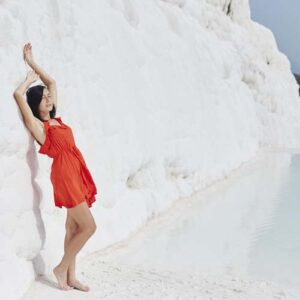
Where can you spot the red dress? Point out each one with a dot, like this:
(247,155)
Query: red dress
(71,180)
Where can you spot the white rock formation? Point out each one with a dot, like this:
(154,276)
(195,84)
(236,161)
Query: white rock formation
(164,97)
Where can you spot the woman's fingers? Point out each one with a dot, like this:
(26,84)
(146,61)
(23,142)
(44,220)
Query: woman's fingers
(27,46)
(27,54)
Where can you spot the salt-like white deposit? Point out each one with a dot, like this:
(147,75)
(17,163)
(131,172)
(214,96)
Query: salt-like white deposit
(164,98)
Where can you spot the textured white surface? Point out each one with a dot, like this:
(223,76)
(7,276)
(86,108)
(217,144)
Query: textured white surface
(207,246)
(164,98)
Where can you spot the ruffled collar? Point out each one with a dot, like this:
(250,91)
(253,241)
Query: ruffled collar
(58,119)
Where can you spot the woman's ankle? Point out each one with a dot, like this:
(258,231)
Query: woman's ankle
(61,268)
(71,279)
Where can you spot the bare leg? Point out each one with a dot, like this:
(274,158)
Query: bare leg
(71,277)
(71,268)
(74,246)
(86,227)
(69,233)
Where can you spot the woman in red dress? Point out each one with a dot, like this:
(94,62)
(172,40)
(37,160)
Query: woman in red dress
(73,185)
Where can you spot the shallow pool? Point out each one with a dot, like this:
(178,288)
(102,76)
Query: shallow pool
(246,224)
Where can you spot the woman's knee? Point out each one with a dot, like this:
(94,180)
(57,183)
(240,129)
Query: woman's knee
(94,228)
(71,226)
(90,228)
(71,230)
(83,218)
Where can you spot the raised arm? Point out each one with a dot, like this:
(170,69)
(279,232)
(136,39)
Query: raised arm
(46,78)
(26,111)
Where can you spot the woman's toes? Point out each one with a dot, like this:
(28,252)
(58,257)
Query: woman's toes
(67,288)
(78,285)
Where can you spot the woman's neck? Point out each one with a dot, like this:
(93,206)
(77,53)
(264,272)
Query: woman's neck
(45,117)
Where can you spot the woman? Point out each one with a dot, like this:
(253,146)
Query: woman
(72,182)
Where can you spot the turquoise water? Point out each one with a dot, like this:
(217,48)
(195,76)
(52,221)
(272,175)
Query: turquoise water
(246,224)
(276,252)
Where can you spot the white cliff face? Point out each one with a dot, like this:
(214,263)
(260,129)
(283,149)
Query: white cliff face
(163,97)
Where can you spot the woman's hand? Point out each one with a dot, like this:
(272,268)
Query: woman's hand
(27,53)
(32,76)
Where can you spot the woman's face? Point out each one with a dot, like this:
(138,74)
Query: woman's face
(46,104)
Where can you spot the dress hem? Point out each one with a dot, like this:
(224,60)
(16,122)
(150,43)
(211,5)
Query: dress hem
(88,201)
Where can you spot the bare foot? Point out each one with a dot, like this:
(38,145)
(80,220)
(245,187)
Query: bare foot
(61,277)
(78,285)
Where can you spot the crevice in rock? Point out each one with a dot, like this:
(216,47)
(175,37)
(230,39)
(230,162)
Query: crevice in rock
(228,10)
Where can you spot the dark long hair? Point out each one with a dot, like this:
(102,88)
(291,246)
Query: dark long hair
(34,97)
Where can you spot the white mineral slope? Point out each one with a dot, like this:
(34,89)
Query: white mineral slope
(164,98)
